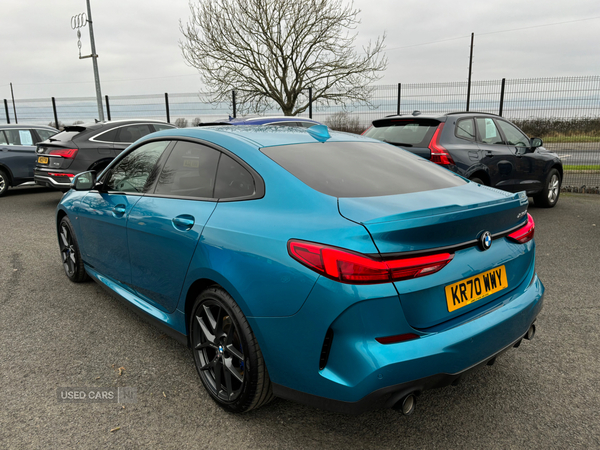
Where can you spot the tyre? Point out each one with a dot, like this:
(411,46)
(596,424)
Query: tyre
(477,180)
(69,252)
(4,182)
(549,195)
(226,353)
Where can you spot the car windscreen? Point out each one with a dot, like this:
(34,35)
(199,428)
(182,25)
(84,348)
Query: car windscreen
(361,169)
(404,132)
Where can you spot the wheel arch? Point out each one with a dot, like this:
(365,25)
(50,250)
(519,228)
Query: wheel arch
(481,174)
(8,172)
(102,163)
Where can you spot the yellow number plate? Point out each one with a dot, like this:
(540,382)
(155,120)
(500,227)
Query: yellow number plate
(475,288)
(43,159)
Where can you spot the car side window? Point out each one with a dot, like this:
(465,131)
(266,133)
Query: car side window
(465,129)
(513,135)
(19,137)
(138,170)
(488,133)
(159,127)
(233,180)
(44,134)
(132,133)
(3,138)
(109,136)
(190,171)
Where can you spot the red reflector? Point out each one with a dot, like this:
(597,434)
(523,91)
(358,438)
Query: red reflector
(354,268)
(52,174)
(64,152)
(525,233)
(398,338)
(439,154)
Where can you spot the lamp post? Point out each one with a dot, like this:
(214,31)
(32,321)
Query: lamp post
(80,21)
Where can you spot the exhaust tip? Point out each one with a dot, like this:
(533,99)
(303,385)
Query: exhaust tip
(407,405)
(530,332)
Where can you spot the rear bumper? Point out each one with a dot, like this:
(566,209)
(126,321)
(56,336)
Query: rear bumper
(388,396)
(361,374)
(42,177)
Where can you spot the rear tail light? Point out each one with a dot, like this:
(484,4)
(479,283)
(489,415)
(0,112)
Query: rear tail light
(350,267)
(439,154)
(525,233)
(68,153)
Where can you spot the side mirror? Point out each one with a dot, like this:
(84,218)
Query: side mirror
(84,181)
(536,142)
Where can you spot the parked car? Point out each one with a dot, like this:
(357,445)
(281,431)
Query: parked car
(17,153)
(288,121)
(326,268)
(485,148)
(79,148)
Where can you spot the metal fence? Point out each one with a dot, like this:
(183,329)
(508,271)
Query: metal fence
(565,112)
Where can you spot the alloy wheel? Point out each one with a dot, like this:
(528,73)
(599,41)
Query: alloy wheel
(553,188)
(67,251)
(219,350)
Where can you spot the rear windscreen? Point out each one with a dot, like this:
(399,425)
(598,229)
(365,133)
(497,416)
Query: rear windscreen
(64,136)
(361,169)
(407,133)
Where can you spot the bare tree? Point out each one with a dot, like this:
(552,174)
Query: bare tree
(272,51)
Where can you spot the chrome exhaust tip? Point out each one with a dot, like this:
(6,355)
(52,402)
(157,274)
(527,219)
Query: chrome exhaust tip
(530,332)
(406,405)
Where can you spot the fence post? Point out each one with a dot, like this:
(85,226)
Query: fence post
(233,101)
(502,97)
(6,110)
(107,107)
(55,115)
(470,69)
(310,103)
(399,96)
(167,106)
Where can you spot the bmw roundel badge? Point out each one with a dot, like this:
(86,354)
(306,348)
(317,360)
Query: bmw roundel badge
(485,240)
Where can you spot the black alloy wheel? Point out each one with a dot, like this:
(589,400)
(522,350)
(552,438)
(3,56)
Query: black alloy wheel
(69,252)
(549,195)
(3,182)
(226,353)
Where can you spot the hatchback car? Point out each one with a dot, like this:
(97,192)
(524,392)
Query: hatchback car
(482,147)
(79,148)
(326,268)
(17,153)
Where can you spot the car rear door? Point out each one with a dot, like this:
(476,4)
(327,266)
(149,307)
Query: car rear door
(165,226)
(500,160)
(18,146)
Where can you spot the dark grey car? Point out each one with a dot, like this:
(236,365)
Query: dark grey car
(79,148)
(484,148)
(17,153)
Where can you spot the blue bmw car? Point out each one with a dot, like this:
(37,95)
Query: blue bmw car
(326,268)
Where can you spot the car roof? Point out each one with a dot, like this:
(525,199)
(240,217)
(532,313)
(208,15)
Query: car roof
(257,135)
(259,120)
(109,123)
(20,125)
(437,116)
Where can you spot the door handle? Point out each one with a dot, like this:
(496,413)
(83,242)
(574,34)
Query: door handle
(119,210)
(184,222)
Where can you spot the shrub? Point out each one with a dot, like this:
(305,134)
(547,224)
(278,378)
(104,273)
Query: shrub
(343,121)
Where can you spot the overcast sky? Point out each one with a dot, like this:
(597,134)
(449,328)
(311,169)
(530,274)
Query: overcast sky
(137,41)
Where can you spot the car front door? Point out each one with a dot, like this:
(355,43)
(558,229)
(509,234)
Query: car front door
(496,155)
(165,226)
(102,214)
(530,167)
